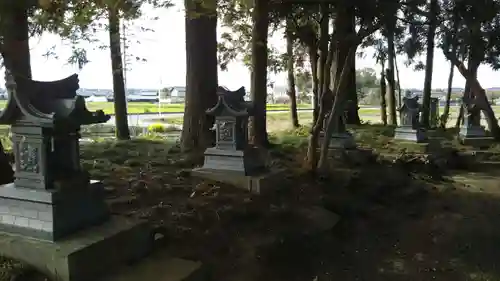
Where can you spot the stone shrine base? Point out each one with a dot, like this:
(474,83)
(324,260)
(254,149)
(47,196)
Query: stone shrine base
(86,255)
(256,184)
(340,141)
(474,136)
(409,134)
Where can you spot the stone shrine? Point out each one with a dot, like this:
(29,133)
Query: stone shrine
(434,113)
(233,159)
(53,216)
(471,132)
(409,128)
(341,138)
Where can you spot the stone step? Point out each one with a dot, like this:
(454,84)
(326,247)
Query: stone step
(160,267)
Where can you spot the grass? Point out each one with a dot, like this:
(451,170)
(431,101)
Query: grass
(145,107)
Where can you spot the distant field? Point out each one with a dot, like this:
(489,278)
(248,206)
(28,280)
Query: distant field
(145,107)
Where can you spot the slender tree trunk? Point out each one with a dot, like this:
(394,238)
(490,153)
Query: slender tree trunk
(201,76)
(313,57)
(352,116)
(322,71)
(16,54)
(258,128)
(399,81)
(390,74)
(323,47)
(383,91)
(426,101)
(292,94)
(336,110)
(446,110)
(119,94)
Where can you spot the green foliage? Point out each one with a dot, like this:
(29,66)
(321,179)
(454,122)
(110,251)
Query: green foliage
(77,21)
(157,128)
(475,27)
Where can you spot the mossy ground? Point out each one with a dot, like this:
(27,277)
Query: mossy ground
(398,221)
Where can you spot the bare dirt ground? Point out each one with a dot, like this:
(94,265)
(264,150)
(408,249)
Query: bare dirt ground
(400,220)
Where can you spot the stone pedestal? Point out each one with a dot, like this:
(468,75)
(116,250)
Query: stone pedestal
(246,162)
(343,140)
(84,256)
(407,133)
(474,135)
(49,214)
(258,183)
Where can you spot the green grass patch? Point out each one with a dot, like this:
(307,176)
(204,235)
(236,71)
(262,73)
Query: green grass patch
(145,107)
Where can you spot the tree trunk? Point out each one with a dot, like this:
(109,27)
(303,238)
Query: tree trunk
(383,91)
(352,116)
(322,71)
(119,94)
(292,94)
(390,73)
(479,95)
(337,109)
(313,58)
(258,128)
(324,38)
(426,101)
(446,110)
(399,81)
(16,54)
(201,76)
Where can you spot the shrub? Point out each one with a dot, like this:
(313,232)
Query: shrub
(157,128)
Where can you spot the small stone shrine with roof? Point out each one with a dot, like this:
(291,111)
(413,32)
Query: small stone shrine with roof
(471,132)
(52,216)
(409,128)
(233,159)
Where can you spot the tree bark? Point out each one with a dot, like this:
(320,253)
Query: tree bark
(426,101)
(323,47)
(119,91)
(383,91)
(201,76)
(390,73)
(352,116)
(479,95)
(336,110)
(258,127)
(446,110)
(397,77)
(292,94)
(322,71)
(16,55)
(313,58)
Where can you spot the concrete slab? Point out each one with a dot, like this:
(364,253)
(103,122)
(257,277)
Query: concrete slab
(160,267)
(256,184)
(85,255)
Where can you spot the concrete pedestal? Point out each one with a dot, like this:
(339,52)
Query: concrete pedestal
(474,136)
(237,161)
(50,214)
(84,256)
(409,134)
(340,141)
(257,183)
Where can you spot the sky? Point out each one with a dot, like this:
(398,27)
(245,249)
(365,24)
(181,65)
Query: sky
(164,52)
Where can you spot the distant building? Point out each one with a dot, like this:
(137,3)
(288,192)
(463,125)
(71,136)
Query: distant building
(175,94)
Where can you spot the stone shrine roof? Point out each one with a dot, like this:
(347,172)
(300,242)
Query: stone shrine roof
(231,103)
(47,103)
